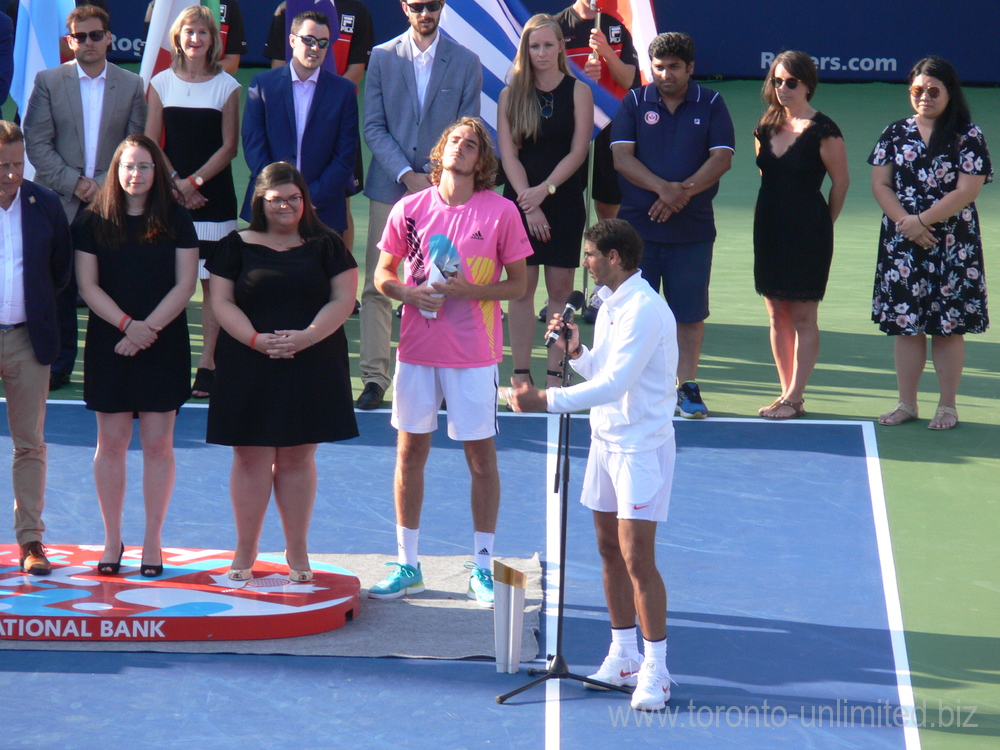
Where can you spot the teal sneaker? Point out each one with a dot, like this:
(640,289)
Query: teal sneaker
(405,579)
(480,585)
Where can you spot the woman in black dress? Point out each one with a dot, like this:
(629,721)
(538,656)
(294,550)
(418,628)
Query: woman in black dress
(136,265)
(927,172)
(544,124)
(793,224)
(194,106)
(284,287)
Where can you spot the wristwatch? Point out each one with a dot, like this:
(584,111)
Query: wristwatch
(199,180)
(552,188)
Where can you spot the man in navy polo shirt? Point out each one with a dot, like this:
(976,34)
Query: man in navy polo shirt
(672,140)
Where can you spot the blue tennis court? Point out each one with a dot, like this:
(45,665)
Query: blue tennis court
(784,625)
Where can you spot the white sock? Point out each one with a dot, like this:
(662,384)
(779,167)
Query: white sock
(406,541)
(483,544)
(657,651)
(625,643)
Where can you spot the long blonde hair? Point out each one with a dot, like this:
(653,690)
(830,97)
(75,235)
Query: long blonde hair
(195,14)
(524,113)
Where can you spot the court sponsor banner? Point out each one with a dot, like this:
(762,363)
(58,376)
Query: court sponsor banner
(192,600)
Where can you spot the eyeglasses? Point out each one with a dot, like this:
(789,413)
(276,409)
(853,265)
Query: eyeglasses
(432,7)
(917,92)
(293,201)
(94,36)
(791,83)
(311,41)
(143,167)
(548,103)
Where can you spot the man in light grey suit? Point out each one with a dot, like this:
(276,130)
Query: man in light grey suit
(77,115)
(418,84)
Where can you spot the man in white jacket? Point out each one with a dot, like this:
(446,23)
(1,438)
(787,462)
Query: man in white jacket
(629,391)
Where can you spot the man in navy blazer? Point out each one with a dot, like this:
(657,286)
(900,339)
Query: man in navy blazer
(308,116)
(418,84)
(35,258)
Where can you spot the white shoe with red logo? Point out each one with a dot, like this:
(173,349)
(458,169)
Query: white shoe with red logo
(620,671)
(652,690)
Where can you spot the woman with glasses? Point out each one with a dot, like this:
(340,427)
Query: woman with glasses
(797,147)
(283,288)
(927,172)
(544,124)
(195,107)
(136,266)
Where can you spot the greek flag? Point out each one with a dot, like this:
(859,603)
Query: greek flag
(492,29)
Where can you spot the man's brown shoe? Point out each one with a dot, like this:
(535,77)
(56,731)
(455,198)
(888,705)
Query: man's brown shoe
(33,559)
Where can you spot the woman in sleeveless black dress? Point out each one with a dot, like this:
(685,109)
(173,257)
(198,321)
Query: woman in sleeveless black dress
(544,124)
(136,266)
(793,224)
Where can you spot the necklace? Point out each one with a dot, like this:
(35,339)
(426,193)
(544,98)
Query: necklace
(287,243)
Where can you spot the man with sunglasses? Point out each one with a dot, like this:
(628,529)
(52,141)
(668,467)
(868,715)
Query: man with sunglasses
(672,140)
(77,115)
(306,115)
(418,84)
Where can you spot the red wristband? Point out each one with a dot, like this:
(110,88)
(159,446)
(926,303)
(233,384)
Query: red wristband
(253,340)
(122,323)
(194,184)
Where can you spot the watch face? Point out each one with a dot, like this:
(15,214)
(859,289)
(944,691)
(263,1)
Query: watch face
(199,180)
(552,188)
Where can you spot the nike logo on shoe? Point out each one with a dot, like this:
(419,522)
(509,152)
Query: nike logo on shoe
(624,674)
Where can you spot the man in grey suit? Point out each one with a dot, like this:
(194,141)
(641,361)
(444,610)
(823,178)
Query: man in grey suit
(418,84)
(77,115)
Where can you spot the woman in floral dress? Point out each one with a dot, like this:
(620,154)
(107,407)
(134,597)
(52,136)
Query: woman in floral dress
(927,172)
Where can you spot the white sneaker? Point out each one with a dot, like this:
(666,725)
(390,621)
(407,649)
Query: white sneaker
(652,690)
(620,671)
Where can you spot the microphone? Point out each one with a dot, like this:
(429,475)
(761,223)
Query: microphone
(574,301)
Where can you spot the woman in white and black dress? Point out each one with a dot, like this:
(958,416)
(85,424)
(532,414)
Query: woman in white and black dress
(194,106)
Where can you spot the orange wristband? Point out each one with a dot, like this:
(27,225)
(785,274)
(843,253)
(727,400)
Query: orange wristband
(253,340)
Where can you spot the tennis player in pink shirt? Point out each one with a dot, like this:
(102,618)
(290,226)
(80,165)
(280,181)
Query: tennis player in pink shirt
(462,249)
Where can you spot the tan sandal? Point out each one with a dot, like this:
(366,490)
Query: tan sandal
(773,405)
(798,410)
(939,415)
(909,414)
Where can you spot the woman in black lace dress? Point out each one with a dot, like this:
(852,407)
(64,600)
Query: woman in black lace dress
(793,224)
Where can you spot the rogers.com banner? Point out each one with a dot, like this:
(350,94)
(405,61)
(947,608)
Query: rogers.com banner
(838,62)
(852,40)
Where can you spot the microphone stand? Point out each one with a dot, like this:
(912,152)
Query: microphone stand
(557,669)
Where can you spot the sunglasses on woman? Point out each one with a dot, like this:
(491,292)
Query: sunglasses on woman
(94,36)
(790,83)
(917,92)
(432,7)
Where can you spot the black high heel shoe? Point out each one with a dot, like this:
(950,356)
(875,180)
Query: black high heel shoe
(111,568)
(152,571)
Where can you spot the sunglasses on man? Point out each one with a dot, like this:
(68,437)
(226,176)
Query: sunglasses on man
(432,7)
(94,36)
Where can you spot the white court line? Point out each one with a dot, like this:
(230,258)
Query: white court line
(911,734)
(553,728)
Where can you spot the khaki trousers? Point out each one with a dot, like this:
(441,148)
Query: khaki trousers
(376,308)
(26,386)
